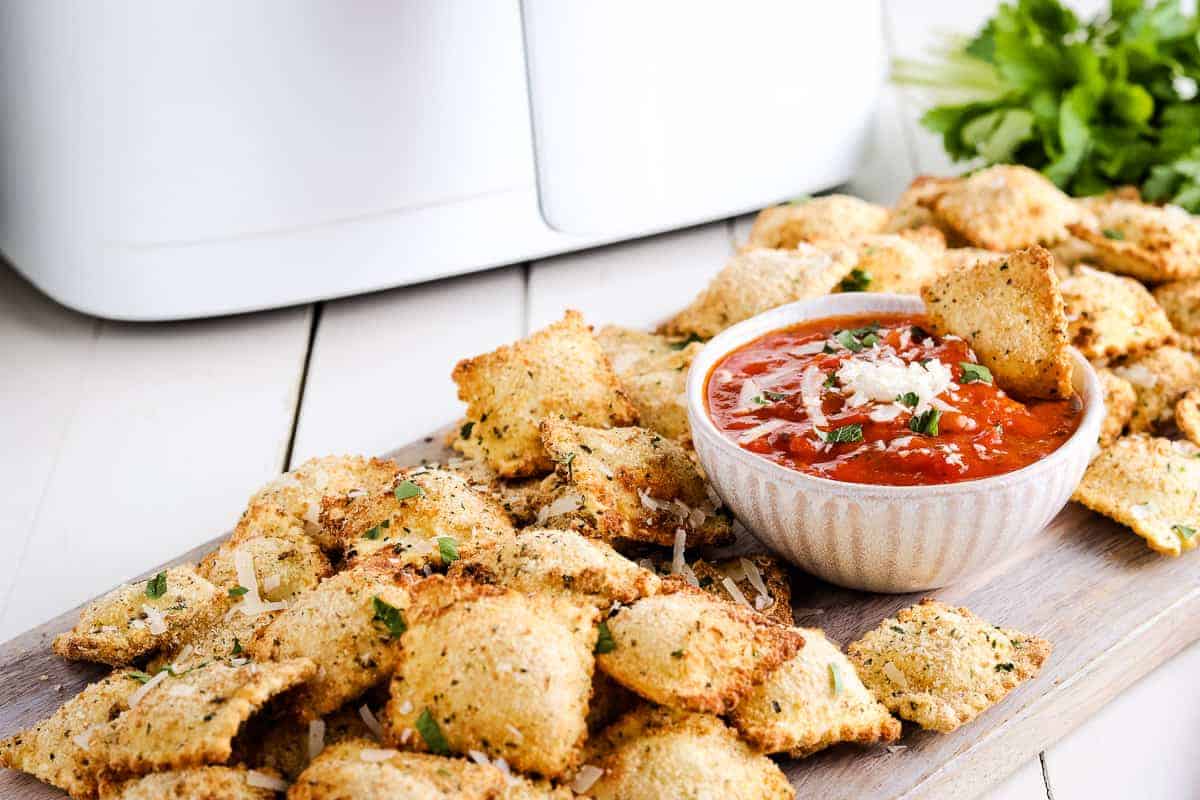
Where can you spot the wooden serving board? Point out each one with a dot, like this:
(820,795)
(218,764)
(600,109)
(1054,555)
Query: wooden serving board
(1113,610)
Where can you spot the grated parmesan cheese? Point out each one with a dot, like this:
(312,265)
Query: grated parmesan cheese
(369,720)
(261,780)
(885,378)
(155,621)
(142,690)
(759,431)
(677,553)
(585,778)
(895,675)
(561,505)
(810,395)
(373,755)
(734,591)
(316,738)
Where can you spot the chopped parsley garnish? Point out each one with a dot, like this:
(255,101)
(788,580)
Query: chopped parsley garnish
(676,654)
(919,334)
(774,397)
(975,373)
(156,587)
(831,381)
(835,679)
(237,647)
(685,342)
(1184,532)
(926,423)
(431,732)
(1005,667)
(139,676)
(238,591)
(897,629)
(798,200)
(849,341)
(1112,233)
(857,281)
(846,434)
(448,549)
(568,461)
(390,616)
(465,431)
(856,339)
(407,489)
(604,641)
(909,399)
(373,533)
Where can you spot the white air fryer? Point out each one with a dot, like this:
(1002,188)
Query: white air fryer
(163,159)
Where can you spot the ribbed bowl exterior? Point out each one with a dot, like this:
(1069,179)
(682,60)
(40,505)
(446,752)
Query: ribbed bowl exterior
(883,538)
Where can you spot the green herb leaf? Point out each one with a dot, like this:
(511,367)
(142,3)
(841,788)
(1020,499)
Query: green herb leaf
(926,423)
(407,489)
(685,342)
(676,654)
(568,461)
(465,431)
(1113,233)
(897,629)
(909,399)
(975,373)
(372,533)
(1005,667)
(238,591)
(604,641)
(391,617)
(156,587)
(835,679)
(448,549)
(1184,532)
(846,434)
(237,647)
(139,676)
(832,380)
(857,281)
(431,733)
(849,341)
(775,397)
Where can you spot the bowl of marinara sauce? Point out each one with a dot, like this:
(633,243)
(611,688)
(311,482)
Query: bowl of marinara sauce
(876,455)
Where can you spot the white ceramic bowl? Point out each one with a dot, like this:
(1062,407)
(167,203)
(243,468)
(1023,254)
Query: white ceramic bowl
(883,538)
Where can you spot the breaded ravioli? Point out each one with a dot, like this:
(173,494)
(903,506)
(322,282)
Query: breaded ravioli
(411,518)
(1011,313)
(296,496)
(1006,207)
(941,667)
(654,753)
(348,626)
(653,369)
(359,769)
(1181,301)
(1160,378)
(632,484)
(493,670)
(889,262)
(956,258)
(286,745)
(201,783)
(1187,415)
(813,700)
(558,371)
(1150,484)
(1151,243)
(688,650)
(1119,400)
(910,211)
(138,618)
(59,750)
(757,280)
(190,720)
(832,218)
(558,562)
(285,564)
(1110,316)
(520,498)
(759,581)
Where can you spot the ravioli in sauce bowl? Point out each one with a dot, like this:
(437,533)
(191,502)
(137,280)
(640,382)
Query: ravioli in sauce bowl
(877,399)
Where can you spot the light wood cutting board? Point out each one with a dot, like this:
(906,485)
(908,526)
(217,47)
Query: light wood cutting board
(1113,610)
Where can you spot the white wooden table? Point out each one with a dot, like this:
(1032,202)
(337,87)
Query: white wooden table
(123,445)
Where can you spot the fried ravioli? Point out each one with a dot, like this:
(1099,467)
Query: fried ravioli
(941,667)
(201,783)
(832,218)
(653,369)
(1146,242)
(285,564)
(1119,400)
(1181,302)
(1160,378)
(758,581)
(1110,316)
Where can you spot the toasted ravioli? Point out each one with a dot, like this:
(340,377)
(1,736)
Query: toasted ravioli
(559,562)
(1071,252)
(559,371)
(228,637)
(813,700)
(1181,302)
(410,518)
(1160,378)
(688,650)
(359,769)
(1151,485)
(1148,242)
(757,280)
(892,263)
(696,755)
(833,218)
(520,498)
(910,211)
(139,618)
(941,667)
(348,626)
(1110,316)
(202,783)
(1006,207)
(489,669)
(1187,415)
(634,485)
(609,701)
(956,258)
(60,750)
(759,581)
(297,495)
(191,720)
(1119,400)
(653,369)
(285,564)
(284,744)
(1012,314)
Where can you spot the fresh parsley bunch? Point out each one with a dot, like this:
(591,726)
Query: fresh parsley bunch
(1093,105)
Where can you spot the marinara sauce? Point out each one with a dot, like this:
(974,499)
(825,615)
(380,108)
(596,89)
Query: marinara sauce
(877,399)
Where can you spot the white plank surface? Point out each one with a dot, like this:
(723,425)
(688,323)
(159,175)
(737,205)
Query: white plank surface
(129,444)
